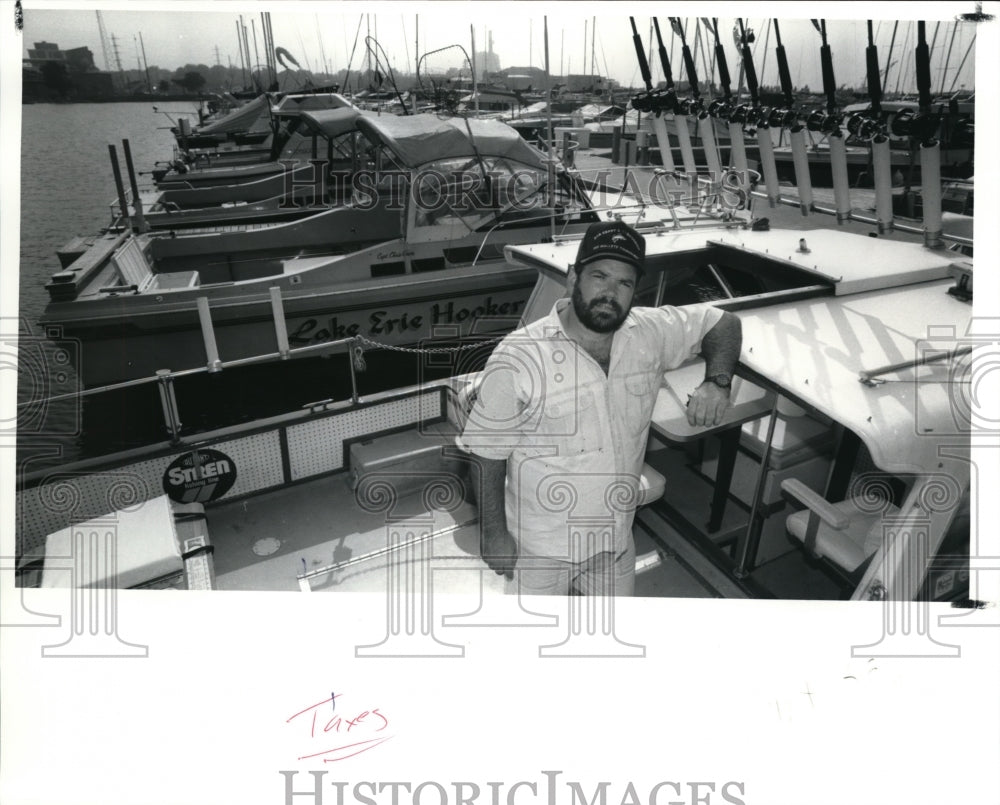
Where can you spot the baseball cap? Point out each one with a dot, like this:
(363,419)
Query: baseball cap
(612,240)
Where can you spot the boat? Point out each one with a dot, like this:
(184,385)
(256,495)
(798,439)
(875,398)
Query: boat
(841,470)
(186,172)
(393,265)
(298,191)
(239,123)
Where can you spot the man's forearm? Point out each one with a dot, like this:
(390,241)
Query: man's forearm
(488,480)
(721,345)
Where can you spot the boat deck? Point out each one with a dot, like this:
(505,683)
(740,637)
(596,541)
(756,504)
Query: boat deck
(264,543)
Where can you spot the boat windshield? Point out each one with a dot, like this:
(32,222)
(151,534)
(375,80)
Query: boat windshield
(468,192)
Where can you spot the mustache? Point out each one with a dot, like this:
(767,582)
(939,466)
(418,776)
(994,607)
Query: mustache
(613,303)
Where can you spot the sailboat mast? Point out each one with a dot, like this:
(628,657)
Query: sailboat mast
(947,59)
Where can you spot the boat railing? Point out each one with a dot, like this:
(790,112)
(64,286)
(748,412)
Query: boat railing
(862,218)
(166,378)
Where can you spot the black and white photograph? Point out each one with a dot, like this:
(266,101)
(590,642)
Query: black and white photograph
(493,403)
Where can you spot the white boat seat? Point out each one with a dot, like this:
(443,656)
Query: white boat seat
(843,533)
(652,485)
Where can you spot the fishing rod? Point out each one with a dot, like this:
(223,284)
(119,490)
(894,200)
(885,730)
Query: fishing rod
(756,117)
(922,127)
(654,101)
(694,105)
(724,109)
(657,102)
(670,103)
(788,117)
(827,121)
(721,107)
(870,126)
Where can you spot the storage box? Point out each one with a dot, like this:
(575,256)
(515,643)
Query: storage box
(409,459)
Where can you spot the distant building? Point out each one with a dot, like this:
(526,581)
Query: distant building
(50,74)
(487,62)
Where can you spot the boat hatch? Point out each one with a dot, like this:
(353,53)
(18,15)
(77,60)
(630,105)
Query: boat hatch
(691,273)
(853,264)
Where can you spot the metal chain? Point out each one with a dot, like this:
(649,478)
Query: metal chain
(358,352)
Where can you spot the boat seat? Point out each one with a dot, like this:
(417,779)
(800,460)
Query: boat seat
(844,533)
(131,266)
(652,485)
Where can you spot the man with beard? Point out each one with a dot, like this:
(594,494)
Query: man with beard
(561,418)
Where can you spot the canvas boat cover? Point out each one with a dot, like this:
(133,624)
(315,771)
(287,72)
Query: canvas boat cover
(419,139)
(240,119)
(332,122)
(292,105)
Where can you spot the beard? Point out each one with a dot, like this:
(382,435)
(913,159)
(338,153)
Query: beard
(595,317)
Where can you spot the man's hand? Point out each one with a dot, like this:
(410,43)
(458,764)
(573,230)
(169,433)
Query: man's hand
(499,551)
(707,404)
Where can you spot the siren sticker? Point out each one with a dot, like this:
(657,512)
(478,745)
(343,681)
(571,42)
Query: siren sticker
(200,476)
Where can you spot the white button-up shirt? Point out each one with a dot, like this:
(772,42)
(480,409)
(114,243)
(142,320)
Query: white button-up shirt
(574,438)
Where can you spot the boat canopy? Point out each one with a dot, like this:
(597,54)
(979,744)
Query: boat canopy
(292,105)
(419,139)
(332,122)
(240,119)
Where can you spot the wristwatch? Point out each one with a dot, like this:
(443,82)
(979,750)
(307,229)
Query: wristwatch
(722,380)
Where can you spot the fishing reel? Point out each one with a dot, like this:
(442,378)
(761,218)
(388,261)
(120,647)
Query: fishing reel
(918,125)
(691,106)
(643,102)
(778,118)
(824,122)
(664,100)
(864,127)
(721,109)
(746,115)
(963,133)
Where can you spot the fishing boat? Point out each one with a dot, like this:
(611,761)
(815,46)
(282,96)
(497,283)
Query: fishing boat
(187,172)
(335,154)
(414,251)
(840,471)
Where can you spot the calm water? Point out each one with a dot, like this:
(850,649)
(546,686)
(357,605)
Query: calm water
(67,186)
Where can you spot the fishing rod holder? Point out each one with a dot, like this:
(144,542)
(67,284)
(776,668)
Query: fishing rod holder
(921,126)
(825,122)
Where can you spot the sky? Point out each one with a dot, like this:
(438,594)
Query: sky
(178,32)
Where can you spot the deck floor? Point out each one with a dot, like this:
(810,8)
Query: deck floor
(263,543)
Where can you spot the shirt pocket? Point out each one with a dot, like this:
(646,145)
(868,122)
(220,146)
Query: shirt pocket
(570,420)
(640,396)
